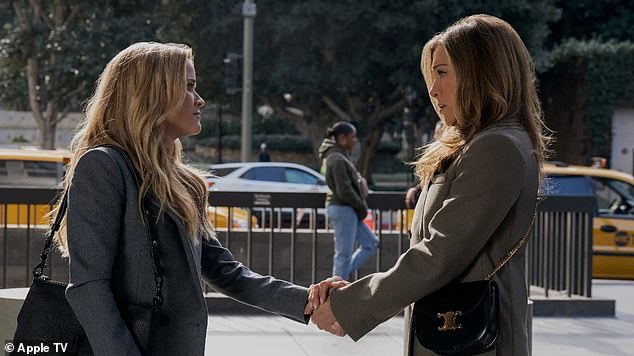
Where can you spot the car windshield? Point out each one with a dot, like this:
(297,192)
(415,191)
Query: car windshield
(624,189)
(300,177)
(270,174)
(30,173)
(566,185)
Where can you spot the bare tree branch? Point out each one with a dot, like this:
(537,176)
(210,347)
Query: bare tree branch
(61,116)
(20,13)
(335,108)
(39,14)
(354,103)
(280,110)
(74,11)
(391,110)
(396,93)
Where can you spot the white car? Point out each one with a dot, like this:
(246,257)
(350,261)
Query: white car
(272,177)
(268,177)
(265,177)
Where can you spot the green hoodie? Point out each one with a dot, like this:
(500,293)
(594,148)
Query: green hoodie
(342,178)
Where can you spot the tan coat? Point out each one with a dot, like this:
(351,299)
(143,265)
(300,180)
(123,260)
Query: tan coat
(466,219)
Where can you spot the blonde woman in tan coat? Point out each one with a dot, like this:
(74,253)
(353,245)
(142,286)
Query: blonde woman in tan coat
(479,181)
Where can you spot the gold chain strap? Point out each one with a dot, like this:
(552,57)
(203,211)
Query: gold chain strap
(515,249)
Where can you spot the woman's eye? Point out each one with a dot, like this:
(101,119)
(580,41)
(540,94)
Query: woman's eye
(442,73)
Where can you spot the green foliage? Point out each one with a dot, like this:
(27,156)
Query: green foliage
(273,125)
(69,58)
(212,28)
(608,77)
(591,19)
(369,47)
(390,147)
(19,138)
(292,143)
(231,124)
(360,54)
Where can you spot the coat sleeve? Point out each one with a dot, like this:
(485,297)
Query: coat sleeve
(95,209)
(345,186)
(232,278)
(489,176)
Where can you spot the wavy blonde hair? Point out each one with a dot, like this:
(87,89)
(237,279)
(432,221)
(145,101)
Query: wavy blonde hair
(140,88)
(495,80)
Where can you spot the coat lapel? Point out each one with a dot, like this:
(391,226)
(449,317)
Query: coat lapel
(186,244)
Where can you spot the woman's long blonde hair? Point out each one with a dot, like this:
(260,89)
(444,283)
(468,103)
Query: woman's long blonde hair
(140,88)
(495,80)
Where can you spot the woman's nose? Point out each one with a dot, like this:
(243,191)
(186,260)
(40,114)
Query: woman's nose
(433,91)
(199,101)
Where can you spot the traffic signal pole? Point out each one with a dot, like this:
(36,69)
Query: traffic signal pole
(248,12)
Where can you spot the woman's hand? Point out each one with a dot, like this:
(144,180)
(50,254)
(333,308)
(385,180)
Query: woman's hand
(411,196)
(318,293)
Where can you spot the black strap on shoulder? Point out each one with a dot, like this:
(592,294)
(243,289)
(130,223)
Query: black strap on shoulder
(39,269)
(153,241)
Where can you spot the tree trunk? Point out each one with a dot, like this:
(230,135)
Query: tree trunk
(312,124)
(565,114)
(317,117)
(314,130)
(47,134)
(370,147)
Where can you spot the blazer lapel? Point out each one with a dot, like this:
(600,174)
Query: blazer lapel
(186,244)
(417,229)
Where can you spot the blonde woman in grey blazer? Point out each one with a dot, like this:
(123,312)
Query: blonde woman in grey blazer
(479,180)
(144,101)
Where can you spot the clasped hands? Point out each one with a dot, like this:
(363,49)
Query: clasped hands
(319,305)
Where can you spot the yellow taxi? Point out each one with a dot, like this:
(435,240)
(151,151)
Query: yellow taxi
(29,168)
(613,222)
(37,168)
(219,217)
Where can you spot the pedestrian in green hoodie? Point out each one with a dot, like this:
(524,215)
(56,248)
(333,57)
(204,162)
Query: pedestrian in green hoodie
(345,201)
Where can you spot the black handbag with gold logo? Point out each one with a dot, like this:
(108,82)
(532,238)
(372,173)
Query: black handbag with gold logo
(462,318)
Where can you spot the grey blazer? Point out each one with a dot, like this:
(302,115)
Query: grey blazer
(110,257)
(466,219)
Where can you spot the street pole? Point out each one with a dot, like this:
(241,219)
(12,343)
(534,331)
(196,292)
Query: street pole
(410,128)
(219,108)
(248,12)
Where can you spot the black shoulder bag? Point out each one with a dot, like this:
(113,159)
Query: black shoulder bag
(46,317)
(462,318)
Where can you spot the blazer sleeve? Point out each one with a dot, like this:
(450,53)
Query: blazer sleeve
(95,208)
(489,176)
(232,278)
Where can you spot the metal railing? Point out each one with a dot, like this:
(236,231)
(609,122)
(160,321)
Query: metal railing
(294,231)
(22,228)
(289,236)
(559,254)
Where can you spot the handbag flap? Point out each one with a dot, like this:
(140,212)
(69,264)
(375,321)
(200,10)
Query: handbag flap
(459,319)
(464,296)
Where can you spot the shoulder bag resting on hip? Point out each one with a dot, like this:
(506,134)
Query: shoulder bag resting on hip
(462,318)
(46,317)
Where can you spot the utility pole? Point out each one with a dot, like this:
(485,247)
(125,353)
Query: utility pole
(248,12)
(219,112)
(410,127)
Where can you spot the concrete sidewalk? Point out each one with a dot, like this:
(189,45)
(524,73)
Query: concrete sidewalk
(276,336)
